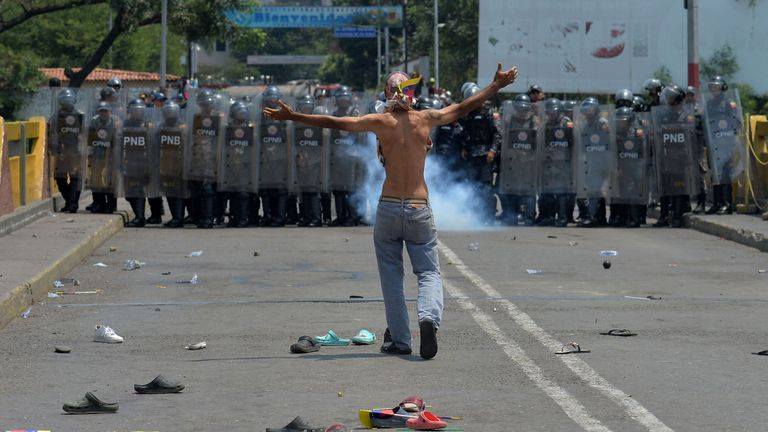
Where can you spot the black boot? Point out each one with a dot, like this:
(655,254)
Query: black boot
(280,199)
(291,213)
(137,205)
(664,204)
(562,210)
(635,217)
(155,211)
(110,203)
(207,206)
(701,202)
(727,200)
(717,199)
(176,205)
(676,214)
(338,203)
(325,207)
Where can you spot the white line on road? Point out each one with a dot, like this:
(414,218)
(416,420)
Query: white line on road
(569,404)
(584,371)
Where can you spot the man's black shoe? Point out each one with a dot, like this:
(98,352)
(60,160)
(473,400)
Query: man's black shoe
(174,223)
(428,338)
(155,220)
(136,223)
(389,347)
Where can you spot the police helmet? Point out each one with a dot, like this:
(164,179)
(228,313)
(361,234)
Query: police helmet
(437,103)
(717,82)
(343,97)
(553,108)
(107,93)
(652,86)
(305,104)
(424,104)
(624,116)
(672,95)
(238,111)
(103,106)
(115,83)
(205,98)
(466,85)
(569,106)
(521,106)
(623,98)
(638,104)
(171,110)
(470,91)
(590,107)
(690,91)
(67,99)
(272,93)
(534,88)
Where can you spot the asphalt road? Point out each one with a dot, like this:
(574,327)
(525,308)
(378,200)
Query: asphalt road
(689,368)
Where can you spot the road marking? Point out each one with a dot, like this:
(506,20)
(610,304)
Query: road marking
(579,367)
(570,405)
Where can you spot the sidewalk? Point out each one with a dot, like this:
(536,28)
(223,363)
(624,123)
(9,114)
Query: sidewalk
(749,230)
(34,256)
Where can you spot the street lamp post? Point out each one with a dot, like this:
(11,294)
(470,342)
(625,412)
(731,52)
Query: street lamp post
(163,42)
(437,48)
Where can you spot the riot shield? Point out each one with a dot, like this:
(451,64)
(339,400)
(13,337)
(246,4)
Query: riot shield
(629,176)
(674,135)
(311,150)
(67,136)
(173,145)
(555,156)
(275,154)
(724,132)
(518,171)
(104,150)
(138,145)
(207,117)
(594,153)
(239,169)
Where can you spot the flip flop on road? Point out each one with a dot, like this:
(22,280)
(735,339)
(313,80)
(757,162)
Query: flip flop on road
(330,339)
(296,425)
(90,404)
(364,337)
(159,385)
(574,349)
(763,353)
(306,344)
(618,332)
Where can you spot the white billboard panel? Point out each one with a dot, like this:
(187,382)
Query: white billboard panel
(582,46)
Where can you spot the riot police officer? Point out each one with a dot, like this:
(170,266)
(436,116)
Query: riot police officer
(535,93)
(724,143)
(311,153)
(344,161)
(237,180)
(479,150)
(103,153)
(447,144)
(66,145)
(700,153)
(136,160)
(652,88)
(517,176)
(620,212)
(594,162)
(555,157)
(274,163)
(629,193)
(173,147)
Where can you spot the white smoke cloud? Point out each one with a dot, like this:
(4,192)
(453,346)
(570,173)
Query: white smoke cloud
(454,202)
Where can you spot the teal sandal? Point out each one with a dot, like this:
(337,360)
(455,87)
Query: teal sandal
(330,339)
(364,337)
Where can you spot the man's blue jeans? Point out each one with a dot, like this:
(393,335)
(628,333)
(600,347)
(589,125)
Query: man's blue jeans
(414,225)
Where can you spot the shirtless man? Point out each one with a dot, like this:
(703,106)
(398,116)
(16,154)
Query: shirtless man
(404,214)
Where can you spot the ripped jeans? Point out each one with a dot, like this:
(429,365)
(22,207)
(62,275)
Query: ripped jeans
(399,223)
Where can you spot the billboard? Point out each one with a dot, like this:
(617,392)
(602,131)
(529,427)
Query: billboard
(582,46)
(317,16)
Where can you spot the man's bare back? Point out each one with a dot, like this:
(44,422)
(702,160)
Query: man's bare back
(403,134)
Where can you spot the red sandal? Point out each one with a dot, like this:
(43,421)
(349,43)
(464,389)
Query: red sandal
(426,421)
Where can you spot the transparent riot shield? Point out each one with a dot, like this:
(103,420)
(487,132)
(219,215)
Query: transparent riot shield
(311,150)
(629,175)
(139,145)
(674,135)
(555,155)
(518,170)
(594,152)
(104,149)
(173,153)
(67,137)
(207,117)
(724,133)
(239,161)
(275,160)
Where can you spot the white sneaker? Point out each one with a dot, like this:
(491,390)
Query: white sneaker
(107,335)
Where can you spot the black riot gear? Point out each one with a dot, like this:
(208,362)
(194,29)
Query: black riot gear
(672,95)
(424,104)
(482,138)
(638,104)
(717,83)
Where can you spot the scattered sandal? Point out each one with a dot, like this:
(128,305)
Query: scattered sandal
(330,339)
(574,349)
(763,353)
(159,385)
(426,421)
(364,337)
(306,344)
(197,346)
(618,332)
(90,404)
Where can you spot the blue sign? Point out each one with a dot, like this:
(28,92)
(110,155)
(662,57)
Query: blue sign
(354,32)
(317,16)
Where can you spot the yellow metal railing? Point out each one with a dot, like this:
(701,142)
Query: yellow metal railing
(755,189)
(26,158)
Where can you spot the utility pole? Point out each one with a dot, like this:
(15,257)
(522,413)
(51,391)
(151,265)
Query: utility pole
(693,42)
(437,49)
(378,47)
(405,33)
(163,43)
(386,50)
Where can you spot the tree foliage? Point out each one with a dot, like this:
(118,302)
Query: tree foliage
(723,62)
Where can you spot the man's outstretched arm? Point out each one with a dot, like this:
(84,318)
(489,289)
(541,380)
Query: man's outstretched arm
(456,111)
(351,124)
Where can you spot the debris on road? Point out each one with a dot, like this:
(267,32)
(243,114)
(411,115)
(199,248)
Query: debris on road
(53,295)
(197,346)
(112,249)
(346,239)
(296,425)
(166,273)
(336,427)
(473,246)
(618,332)
(65,281)
(69,220)
(534,271)
(606,264)
(90,404)
(572,348)
(356,296)
(608,253)
(340,394)
(552,236)
(653,297)
(100,264)
(159,385)
(73,292)
(195,254)
(161,286)
(132,264)
(331,339)
(62,349)
(762,353)
(26,313)
(572,243)
(761,271)
(255,253)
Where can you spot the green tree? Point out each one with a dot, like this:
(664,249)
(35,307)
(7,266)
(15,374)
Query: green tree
(663,74)
(19,78)
(723,62)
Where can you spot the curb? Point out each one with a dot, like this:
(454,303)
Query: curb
(742,236)
(36,288)
(31,212)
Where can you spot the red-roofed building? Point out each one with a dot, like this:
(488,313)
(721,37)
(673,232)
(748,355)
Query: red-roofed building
(99,77)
